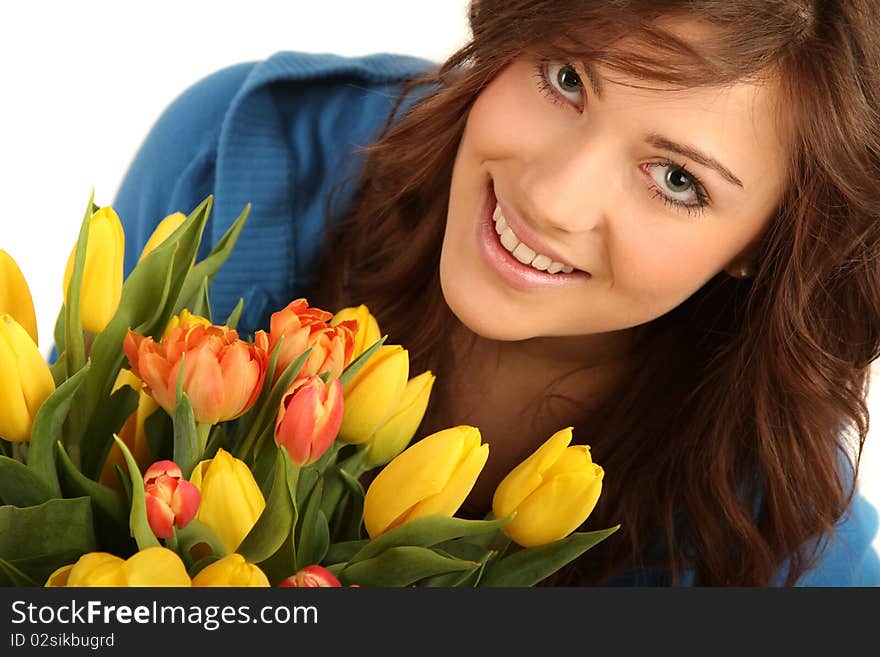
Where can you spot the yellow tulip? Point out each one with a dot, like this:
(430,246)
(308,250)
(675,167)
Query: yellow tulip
(394,435)
(368,328)
(185,319)
(231,570)
(154,566)
(133,432)
(552,492)
(25,381)
(162,232)
(430,478)
(15,296)
(102,275)
(231,500)
(374,394)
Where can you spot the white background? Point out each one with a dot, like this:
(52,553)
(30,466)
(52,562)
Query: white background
(82,82)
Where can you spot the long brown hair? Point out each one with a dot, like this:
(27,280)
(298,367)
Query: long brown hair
(736,440)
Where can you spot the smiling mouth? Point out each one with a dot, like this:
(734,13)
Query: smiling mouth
(522,251)
(519,249)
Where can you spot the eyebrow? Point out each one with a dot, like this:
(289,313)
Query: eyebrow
(659,141)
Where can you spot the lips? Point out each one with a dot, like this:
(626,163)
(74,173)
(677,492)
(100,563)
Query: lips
(501,261)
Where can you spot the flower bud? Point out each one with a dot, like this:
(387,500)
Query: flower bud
(231,570)
(367,327)
(374,394)
(185,320)
(154,566)
(551,493)
(25,381)
(309,418)
(303,328)
(395,434)
(313,576)
(171,500)
(430,478)
(162,232)
(15,296)
(231,499)
(223,376)
(102,275)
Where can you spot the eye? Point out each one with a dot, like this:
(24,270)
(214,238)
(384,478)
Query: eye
(677,186)
(561,83)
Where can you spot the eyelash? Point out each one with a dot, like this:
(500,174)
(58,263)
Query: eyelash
(550,92)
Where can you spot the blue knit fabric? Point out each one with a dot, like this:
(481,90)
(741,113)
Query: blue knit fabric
(280,135)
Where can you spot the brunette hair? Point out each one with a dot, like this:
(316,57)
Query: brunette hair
(734,447)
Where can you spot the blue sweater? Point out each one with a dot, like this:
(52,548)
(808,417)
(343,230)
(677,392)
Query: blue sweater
(282,134)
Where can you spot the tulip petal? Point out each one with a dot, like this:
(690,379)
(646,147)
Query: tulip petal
(459,486)
(156,566)
(59,577)
(418,473)
(231,499)
(160,516)
(185,503)
(374,393)
(15,296)
(556,509)
(393,436)
(231,570)
(97,569)
(528,475)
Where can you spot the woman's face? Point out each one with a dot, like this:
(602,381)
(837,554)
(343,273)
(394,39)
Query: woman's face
(644,195)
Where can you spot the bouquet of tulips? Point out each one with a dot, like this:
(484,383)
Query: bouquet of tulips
(162,449)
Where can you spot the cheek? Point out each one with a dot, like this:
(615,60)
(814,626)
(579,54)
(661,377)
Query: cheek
(668,262)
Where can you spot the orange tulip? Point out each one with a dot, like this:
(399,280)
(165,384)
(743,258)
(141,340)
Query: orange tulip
(303,327)
(309,418)
(313,576)
(223,376)
(170,499)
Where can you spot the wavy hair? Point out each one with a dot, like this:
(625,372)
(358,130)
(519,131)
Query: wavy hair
(736,443)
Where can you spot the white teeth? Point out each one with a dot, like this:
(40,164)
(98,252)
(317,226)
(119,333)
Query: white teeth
(523,252)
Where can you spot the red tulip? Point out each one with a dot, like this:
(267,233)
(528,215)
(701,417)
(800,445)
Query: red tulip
(223,376)
(313,576)
(309,418)
(170,499)
(303,327)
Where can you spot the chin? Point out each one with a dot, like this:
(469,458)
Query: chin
(471,312)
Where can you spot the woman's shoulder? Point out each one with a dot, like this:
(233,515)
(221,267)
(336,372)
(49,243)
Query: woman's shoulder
(847,555)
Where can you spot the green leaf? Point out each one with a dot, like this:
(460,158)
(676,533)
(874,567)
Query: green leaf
(460,579)
(312,533)
(208,268)
(352,514)
(108,506)
(14,576)
(343,551)
(137,522)
(186,439)
(20,486)
(196,532)
(401,566)
(199,304)
(47,429)
(426,532)
(355,366)
(200,565)
(106,420)
(264,425)
(530,566)
(74,350)
(39,539)
(278,517)
(235,315)
(145,306)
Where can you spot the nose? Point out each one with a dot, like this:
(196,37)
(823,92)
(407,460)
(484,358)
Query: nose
(570,184)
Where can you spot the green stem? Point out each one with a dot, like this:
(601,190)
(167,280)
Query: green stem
(16,452)
(203,429)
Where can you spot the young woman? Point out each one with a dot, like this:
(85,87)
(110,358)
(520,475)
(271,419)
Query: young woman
(656,222)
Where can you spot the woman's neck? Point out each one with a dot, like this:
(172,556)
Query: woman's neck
(519,393)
